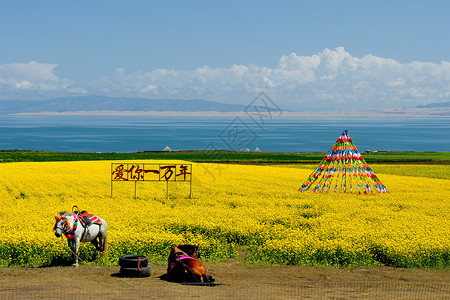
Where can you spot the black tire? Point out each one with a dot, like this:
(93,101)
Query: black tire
(132,261)
(135,272)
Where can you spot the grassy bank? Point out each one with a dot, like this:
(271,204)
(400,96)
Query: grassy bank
(220,156)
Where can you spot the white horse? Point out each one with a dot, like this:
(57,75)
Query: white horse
(73,228)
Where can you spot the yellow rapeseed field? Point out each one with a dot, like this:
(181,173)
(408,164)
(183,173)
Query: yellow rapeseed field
(258,207)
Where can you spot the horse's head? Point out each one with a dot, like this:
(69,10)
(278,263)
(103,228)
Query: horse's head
(62,224)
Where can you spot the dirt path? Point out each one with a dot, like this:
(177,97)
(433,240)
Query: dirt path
(235,279)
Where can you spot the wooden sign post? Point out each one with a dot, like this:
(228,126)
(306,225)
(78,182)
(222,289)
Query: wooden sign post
(151,172)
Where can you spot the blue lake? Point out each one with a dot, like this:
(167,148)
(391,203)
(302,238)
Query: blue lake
(278,134)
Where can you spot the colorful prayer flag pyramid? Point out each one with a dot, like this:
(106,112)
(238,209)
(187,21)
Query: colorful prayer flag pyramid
(343,169)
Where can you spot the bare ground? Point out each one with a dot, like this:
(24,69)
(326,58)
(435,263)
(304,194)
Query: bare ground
(234,278)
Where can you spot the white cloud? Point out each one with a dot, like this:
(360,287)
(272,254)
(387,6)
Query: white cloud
(31,71)
(150,89)
(34,80)
(331,79)
(24,84)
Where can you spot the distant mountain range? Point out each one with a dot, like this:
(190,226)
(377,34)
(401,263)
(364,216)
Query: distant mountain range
(434,105)
(102,103)
(92,104)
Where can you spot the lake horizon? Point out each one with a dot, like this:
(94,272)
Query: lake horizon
(124,134)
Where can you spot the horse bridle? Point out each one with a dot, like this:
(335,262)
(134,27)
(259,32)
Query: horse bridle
(64,228)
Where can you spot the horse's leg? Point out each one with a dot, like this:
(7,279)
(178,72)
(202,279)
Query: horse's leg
(103,241)
(75,252)
(97,247)
(208,278)
(196,269)
(189,275)
(199,271)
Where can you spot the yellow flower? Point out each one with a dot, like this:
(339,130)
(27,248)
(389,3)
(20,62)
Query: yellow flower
(232,205)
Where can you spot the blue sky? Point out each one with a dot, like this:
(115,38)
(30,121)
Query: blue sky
(333,53)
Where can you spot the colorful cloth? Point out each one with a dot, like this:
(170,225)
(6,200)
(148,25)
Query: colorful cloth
(88,219)
(343,168)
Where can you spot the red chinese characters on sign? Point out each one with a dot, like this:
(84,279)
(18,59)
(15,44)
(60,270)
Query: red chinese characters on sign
(131,172)
(166,172)
(184,171)
(136,172)
(151,172)
(118,173)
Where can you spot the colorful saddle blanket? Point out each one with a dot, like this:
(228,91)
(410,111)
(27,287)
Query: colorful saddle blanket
(88,219)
